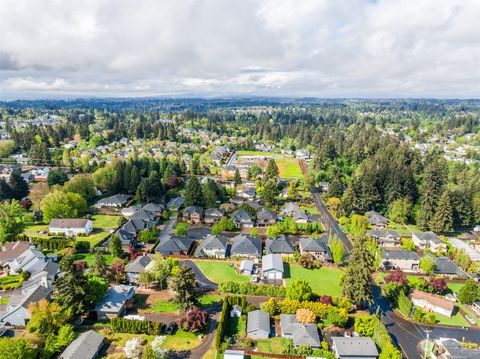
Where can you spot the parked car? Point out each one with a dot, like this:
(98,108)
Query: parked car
(470,319)
(171,328)
(163,328)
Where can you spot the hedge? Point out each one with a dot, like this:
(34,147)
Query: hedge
(252,289)
(52,243)
(121,325)
(228,303)
(82,246)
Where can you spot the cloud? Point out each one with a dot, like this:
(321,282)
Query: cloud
(350,48)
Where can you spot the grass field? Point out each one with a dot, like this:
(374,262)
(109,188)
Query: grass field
(272,345)
(11,281)
(102,224)
(324,281)
(457,320)
(219,272)
(287,166)
(169,306)
(89,258)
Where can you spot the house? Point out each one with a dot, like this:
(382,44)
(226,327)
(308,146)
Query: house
(212,246)
(127,212)
(175,203)
(354,347)
(135,267)
(445,266)
(147,216)
(405,260)
(193,214)
(213,215)
(460,245)
(385,237)
(247,193)
(87,346)
(299,215)
(429,240)
(175,245)
(258,325)
(280,245)
(114,304)
(318,248)
(266,217)
(432,302)
(376,219)
(156,208)
(218,153)
(242,219)
(272,267)
(70,226)
(11,250)
(236,311)
(233,354)
(30,261)
(302,334)
(246,267)
(246,246)
(115,201)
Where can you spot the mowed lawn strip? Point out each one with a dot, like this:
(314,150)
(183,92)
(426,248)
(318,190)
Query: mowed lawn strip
(220,272)
(289,168)
(324,281)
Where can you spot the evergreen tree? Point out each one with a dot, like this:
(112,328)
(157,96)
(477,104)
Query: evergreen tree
(270,192)
(442,221)
(6,192)
(271,172)
(292,191)
(135,179)
(99,266)
(183,284)
(236,178)
(18,185)
(470,292)
(209,195)
(193,193)
(432,187)
(116,247)
(357,284)
(70,288)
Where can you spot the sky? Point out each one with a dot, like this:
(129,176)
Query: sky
(212,48)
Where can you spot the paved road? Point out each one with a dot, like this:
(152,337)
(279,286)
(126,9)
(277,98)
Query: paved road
(407,334)
(330,223)
(203,282)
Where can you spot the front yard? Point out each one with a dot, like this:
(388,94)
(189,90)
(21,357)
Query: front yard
(324,281)
(169,306)
(219,272)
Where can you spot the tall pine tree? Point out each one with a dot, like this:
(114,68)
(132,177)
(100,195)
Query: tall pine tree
(357,284)
(70,288)
(432,188)
(193,193)
(442,221)
(183,284)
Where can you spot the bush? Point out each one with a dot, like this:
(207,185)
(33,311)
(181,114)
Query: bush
(53,243)
(121,325)
(82,246)
(252,289)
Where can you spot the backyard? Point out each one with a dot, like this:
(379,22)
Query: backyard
(287,166)
(102,226)
(219,272)
(324,281)
(169,306)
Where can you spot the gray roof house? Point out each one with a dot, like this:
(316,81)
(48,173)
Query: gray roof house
(87,346)
(376,219)
(242,219)
(405,260)
(280,245)
(354,347)
(135,267)
(246,267)
(175,245)
(316,247)
(299,215)
(266,217)
(272,267)
(213,215)
(115,201)
(246,246)
(147,216)
(302,334)
(156,208)
(193,214)
(115,302)
(212,246)
(429,240)
(445,266)
(258,325)
(175,203)
(385,237)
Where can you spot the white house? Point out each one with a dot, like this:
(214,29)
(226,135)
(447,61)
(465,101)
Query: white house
(272,267)
(432,303)
(70,226)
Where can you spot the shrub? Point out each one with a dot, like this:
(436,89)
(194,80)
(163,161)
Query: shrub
(252,289)
(338,317)
(305,316)
(82,246)
(121,325)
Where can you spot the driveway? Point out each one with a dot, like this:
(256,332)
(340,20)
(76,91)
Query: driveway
(203,282)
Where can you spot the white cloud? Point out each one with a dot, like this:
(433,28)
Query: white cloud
(323,48)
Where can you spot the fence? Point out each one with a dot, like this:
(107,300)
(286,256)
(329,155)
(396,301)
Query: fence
(269,355)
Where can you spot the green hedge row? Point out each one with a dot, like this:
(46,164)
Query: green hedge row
(252,289)
(228,303)
(121,325)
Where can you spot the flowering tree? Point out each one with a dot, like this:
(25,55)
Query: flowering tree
(439,284)
(133,348)
(195,319)
(159,351)
(326,299)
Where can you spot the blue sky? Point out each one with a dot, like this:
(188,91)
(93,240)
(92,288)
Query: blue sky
(319,48)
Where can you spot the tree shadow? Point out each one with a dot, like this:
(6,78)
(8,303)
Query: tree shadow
(286,270)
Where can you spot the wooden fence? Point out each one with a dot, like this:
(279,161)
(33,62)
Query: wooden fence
(269,355)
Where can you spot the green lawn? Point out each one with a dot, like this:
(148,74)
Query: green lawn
(457,320)
(11,281)
(89,258)
(219,272)
(182,340)
(272,345)
(324,281)
(169,306)
(237,326)
(257,153)
(102,224)
(287,166)
(4,300)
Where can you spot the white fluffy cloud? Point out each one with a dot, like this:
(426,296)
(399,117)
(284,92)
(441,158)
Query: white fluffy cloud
(351,48)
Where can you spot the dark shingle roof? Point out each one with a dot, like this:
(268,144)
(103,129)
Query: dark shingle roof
(258,320)
(85,346)
(355,347)
(279,245)
(173,245)
(400,254)
(139,264)
(243,244)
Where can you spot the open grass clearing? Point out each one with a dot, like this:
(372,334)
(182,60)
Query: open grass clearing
(324,281)
(272,345)
(89,258)
(169,306)
(220,272)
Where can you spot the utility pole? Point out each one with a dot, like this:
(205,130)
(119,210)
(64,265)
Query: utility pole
(426,344)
